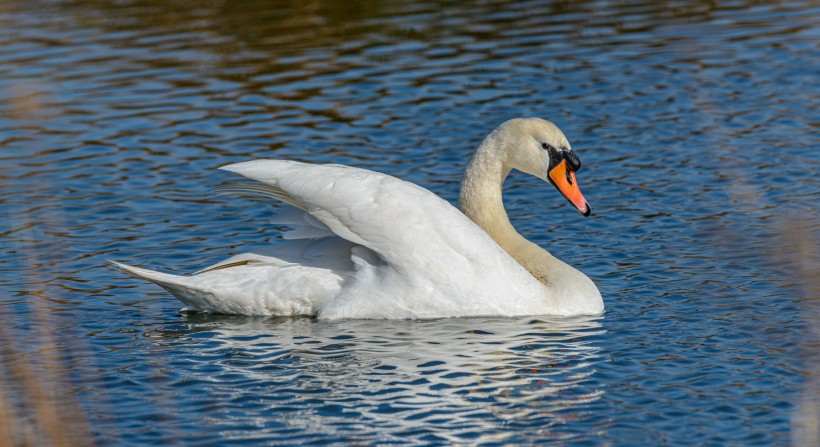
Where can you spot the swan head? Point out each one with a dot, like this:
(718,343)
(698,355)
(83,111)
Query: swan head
(539,148)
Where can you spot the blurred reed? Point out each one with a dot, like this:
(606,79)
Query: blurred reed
(37,406)
(799,255)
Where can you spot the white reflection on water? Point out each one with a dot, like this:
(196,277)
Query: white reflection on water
(458,378)
(114,114)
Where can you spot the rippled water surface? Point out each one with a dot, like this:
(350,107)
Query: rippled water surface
(697,123)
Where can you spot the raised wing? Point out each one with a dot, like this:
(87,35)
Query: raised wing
(392,217)
(425,250)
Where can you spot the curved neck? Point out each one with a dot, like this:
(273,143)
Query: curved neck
(480,199)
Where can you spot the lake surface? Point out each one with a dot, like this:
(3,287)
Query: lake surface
(697,123)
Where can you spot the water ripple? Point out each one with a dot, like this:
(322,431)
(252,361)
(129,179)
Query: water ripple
(696,122)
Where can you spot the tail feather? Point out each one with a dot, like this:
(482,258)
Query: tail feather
(178,285)
(158,278)
(241,286)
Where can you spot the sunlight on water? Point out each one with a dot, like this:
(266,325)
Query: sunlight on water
(396,377)
(696,123)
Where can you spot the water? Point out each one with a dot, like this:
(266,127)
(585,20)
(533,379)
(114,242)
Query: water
(697,124)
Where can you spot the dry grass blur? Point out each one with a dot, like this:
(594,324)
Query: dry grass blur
(37,407)
(800,255)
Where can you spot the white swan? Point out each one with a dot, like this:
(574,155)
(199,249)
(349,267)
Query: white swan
(368,245)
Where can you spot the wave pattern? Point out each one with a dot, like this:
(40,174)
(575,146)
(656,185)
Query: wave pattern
(696,123)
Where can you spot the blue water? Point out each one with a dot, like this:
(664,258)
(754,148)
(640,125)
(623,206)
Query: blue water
(697,124)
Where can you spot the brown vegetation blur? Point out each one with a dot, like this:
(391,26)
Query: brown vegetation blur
(37,404)
(37,407)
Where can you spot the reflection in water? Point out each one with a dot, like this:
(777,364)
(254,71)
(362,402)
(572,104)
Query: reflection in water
(455,379)
(696,123)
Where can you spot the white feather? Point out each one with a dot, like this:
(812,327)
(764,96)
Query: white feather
(367,245)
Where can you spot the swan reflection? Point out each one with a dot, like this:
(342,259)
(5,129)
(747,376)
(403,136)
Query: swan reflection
(454,377)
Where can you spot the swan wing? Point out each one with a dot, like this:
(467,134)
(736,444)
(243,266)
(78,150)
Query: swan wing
(302,224)
(414,254)
(385,214)
(307,242)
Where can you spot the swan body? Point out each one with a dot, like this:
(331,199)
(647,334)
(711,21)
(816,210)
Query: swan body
(367,245)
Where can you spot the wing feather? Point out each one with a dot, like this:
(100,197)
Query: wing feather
(400,221)
(412,252)
(262,190)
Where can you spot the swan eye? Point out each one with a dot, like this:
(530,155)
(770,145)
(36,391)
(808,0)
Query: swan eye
(547,147)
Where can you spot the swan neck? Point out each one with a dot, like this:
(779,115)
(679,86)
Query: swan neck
(481,199)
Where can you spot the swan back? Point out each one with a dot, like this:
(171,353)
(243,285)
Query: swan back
(415,253)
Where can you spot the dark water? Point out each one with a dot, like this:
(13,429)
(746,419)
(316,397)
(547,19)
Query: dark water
(697,123)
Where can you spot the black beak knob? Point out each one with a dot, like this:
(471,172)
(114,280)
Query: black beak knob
(572,160)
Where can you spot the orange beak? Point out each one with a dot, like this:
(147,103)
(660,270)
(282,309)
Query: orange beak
(564,179)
